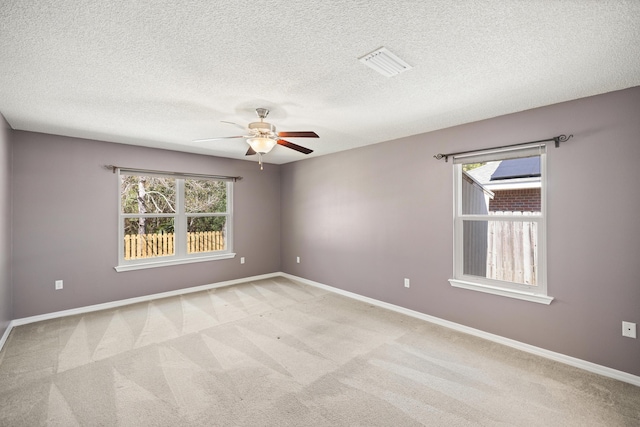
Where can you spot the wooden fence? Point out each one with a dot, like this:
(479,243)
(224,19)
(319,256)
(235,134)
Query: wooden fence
(502,250)
(138,246)
(512,253)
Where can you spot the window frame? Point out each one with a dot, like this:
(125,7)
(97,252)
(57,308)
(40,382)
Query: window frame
(181,255)
(535,293)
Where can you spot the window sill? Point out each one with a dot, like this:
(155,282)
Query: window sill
(510,293)
(165,263)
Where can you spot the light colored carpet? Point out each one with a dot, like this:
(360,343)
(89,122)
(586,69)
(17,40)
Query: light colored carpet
(279,353)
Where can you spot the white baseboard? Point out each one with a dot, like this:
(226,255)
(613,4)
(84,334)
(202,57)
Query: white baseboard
(548,354)
(145,298)
(6,334)
(558,357)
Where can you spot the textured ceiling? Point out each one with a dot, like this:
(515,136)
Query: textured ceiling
(164,73)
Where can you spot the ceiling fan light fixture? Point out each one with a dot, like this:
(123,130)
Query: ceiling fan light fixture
(261,144)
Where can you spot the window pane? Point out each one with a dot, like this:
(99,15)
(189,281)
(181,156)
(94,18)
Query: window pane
(205,196)
(501,250)
(148,237)
(206,234)
(475,197)
(508,185)
(147,194)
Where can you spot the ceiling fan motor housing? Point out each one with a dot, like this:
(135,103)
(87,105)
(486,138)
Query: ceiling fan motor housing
(262,128)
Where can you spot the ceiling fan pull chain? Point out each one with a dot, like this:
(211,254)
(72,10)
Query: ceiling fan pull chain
(260,161)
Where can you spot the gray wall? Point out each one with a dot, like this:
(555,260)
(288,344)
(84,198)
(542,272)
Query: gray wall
(65,222)
(364,219)
(360,220)
(6,311)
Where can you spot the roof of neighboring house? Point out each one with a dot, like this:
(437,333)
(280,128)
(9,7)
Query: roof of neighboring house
(508,174)
(475,182)
(483,174)
(524,167)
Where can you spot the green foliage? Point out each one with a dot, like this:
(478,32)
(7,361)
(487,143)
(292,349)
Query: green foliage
(151,225)
(205,196)
(157,195)
(147,194)
(470,166)
(209,223)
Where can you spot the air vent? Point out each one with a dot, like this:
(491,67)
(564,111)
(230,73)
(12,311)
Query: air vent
(385,62)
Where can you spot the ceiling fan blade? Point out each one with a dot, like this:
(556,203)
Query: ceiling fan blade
(298,134)
(215,139)
(294,146)
(232,123)
(250,152)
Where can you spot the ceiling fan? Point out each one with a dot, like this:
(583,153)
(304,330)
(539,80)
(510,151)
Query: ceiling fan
(262,137)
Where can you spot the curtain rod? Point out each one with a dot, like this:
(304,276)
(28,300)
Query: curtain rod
(193,175)
(557,139)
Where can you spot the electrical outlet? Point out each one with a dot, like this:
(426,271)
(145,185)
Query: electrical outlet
(628,329)
(59,285)
(241,260)
(298,259)
(406,283)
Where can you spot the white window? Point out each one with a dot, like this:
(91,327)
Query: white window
(499,223)
(173,219)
